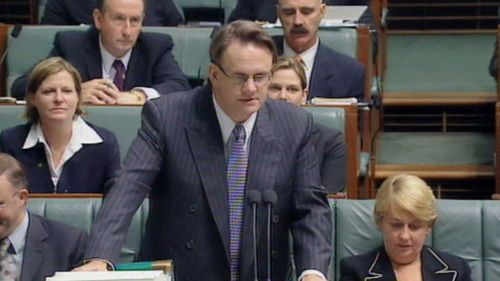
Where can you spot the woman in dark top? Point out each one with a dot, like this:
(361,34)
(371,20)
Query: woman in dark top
(60,152)
(405,211)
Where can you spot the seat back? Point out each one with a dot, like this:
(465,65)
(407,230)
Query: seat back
(81,213)
(31,45)
(191,49)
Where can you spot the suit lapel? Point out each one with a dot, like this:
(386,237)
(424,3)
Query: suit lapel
(380,268)
(35,249)
(435,268)
(205,141)
(319,76)
(262,163)
(135,69)
(93,59)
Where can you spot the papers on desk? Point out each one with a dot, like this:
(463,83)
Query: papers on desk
(335,16)
(152,275)
(332,101)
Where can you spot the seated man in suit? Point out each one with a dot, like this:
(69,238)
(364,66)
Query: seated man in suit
(75,12)
(31,247)
(330,74)
(118,64)
(289,83)
(265,10)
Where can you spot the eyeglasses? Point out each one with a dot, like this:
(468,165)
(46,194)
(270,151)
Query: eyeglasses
(239,78)
(5,204)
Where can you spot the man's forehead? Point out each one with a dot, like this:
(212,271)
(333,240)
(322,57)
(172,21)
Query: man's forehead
(298,3)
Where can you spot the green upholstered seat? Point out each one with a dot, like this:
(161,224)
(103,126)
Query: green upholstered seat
(453,63)
(191,49)
(467,228)
(32,45)
(460,148)
(331,117)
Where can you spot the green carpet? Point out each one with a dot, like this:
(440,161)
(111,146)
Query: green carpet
(436,148)
(439,63)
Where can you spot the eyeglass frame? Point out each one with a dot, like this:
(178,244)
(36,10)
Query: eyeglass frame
(6,203)
(241,78)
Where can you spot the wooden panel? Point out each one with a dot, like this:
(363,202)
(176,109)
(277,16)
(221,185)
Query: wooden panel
(4,28)
(438,98)
(436,171)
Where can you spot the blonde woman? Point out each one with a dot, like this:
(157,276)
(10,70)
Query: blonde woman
(405,211)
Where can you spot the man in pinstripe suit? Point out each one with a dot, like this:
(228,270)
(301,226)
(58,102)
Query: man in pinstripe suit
(179,158)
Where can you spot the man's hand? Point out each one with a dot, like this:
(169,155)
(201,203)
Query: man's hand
(99,91)
(94,265)
(312,277)
(135,97)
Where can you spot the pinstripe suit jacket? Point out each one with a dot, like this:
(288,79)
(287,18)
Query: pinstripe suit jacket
(178,158)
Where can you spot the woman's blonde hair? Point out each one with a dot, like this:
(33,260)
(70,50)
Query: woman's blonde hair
(284,63)
(42,71)
(408,195)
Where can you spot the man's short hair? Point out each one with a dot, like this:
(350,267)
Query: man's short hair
(13,171)
(101,4)
(240,31)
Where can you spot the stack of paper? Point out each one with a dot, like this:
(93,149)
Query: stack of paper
(153,275)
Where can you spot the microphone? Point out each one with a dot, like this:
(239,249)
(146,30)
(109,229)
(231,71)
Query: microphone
(254,197)
(269,197)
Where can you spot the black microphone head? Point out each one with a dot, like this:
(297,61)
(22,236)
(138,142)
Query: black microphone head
(269,197)
(254,196)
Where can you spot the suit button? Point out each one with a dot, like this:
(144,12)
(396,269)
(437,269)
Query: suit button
(190,244)
(276,218)
(193,208)
(274,255)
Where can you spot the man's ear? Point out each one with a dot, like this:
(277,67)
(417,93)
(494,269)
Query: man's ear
(97,18)
(213,74)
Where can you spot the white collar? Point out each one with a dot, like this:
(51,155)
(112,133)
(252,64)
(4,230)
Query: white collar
(82,134)
(227,124)
(108,59)
(307,55)
(18,236)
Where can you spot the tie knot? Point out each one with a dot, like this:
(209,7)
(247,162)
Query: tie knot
(239,133)
(119,66)
(4,246)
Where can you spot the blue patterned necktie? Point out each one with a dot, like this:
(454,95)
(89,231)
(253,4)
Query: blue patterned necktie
(236,181)
(120,75)
(8,270)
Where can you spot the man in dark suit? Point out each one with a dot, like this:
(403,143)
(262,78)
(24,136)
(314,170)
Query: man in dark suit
(31,247)
(75,12)
(330,74)
(118,63)
(199,154)
(265,10)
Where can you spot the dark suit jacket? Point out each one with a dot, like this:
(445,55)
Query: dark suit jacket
(493,62)
(376,265)
(51,246)
(331,150)
(265,10)
(183,167)
(151,62)
(334,75)
(75,12)
(86,172)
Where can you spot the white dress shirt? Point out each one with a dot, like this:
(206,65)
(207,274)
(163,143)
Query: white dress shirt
(18,240)
(307,57)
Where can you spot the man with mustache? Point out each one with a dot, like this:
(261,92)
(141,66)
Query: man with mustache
(330,74)
(118,63)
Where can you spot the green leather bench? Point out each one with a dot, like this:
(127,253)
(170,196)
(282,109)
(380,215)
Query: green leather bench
(467,228)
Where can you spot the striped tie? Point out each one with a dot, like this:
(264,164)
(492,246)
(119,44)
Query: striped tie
(236,180)
(8,269)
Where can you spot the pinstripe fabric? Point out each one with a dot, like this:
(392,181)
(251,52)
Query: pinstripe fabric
(236,181)
(178,158)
